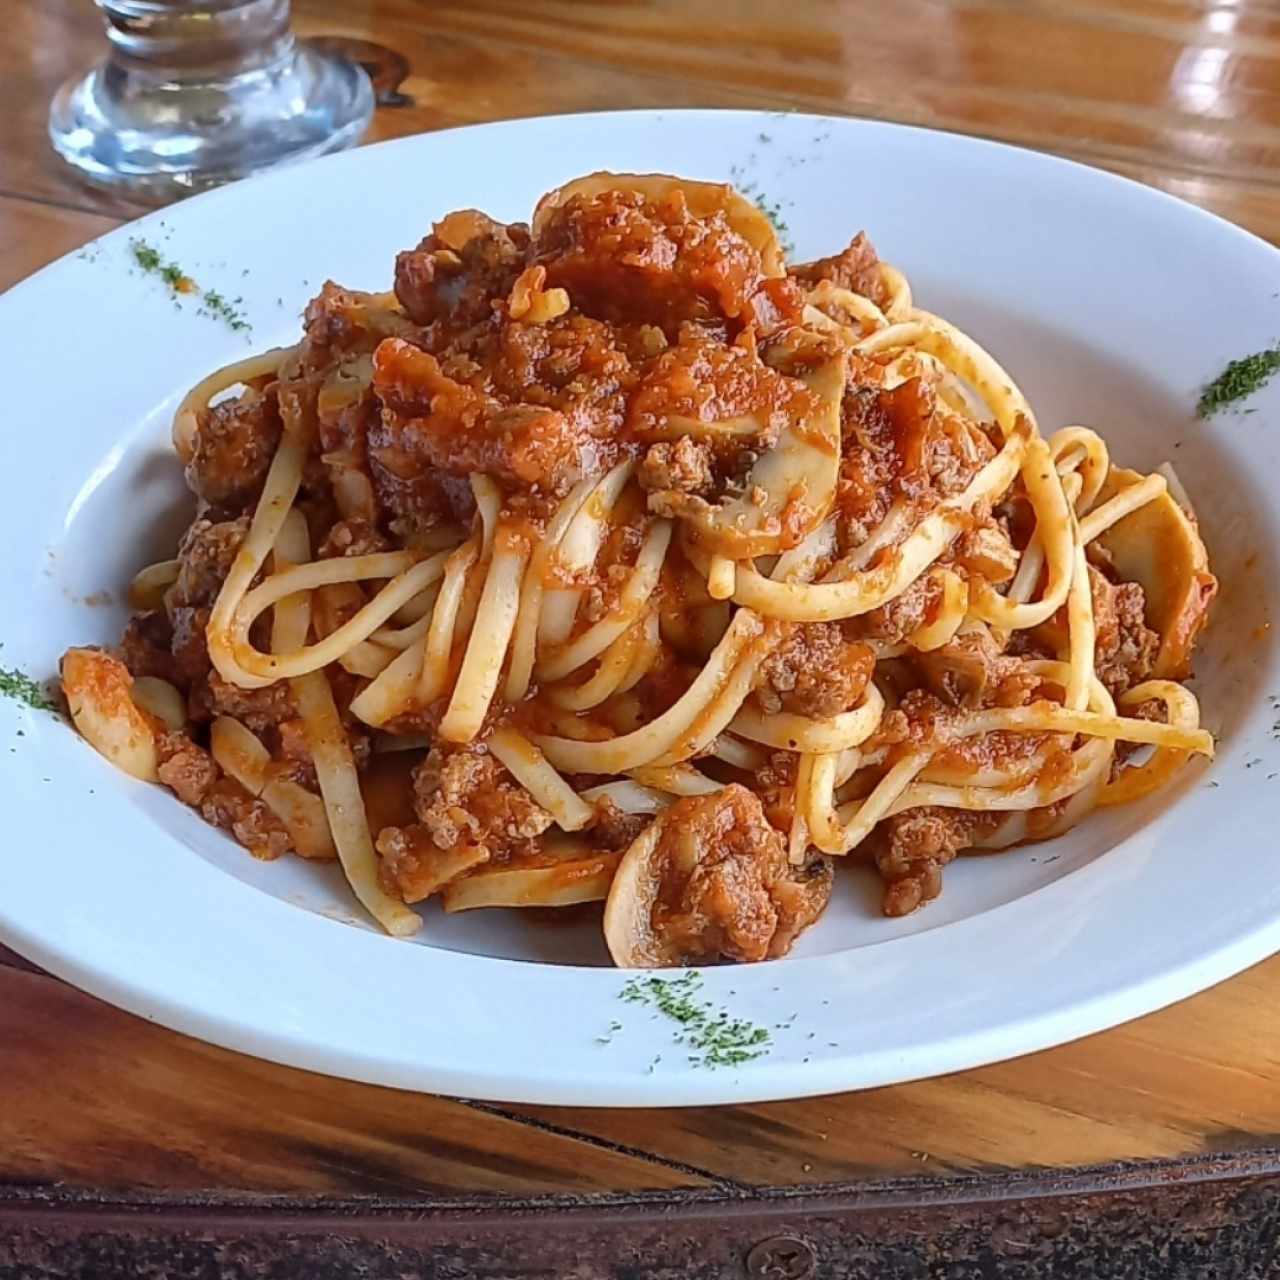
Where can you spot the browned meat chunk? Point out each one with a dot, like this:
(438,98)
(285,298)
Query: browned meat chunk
(701,379)
(187,770)
(954,453)
(883,441)
(1126,646)
(624,257)
(190,647)
(912,847)
(986,550)
(235,442)
(683,465)
(414,867)
(466,796)
(575,364)
(292,756)
(430,422)
(469,811)
(896,619)
(971,672)
(455,273)
(775,783)
(205,555)
(815,672)
(340,323)
(856,268)
(725,887)
(229,806)
(146,647)
(352,538)
(614,830)
(256,709)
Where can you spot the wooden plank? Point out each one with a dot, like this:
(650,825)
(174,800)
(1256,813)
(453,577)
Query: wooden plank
(1151,92)
(14,961)
(1155,96)
(97,1098)
(44,45)
(1201,1076)
(1221,1221)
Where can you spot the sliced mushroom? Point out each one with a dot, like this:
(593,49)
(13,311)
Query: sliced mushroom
(702,198)
(303,814)
(710,878)
(98,688)
(240,753)
(1159,547)
(788,492)
(160,699)
(563,871)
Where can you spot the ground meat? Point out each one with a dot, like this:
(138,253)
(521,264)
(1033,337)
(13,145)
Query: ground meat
(292,756)
(893,730)
(884,439)
(702,379)
(956,450)
(235,442)
(431,422)
(624,257)
(815,672)
(457,271)
(465,796)
(912,847)
(683,465)
(205,555)
(577,365)
(725,886)
(146,647)
(775,784)
(985,549)
(256,709)
(613,829)
(187,770)
(970,671)
(341,324)
(1152,709)
(190,647)
(352,538)
(895,620)
(229,806)
(1126,646)
(856,268)
(322,386)
(413,866)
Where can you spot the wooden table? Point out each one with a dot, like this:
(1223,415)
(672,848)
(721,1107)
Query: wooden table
(1152,1150)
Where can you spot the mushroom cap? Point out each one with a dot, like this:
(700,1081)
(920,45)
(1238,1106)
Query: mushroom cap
(1159,547)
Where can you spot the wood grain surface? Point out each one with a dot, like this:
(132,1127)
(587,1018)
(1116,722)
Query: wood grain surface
(1185,96)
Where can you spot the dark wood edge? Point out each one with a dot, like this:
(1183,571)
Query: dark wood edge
(1217,1216)
(323,1212)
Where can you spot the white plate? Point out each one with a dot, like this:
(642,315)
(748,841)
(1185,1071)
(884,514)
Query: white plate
(1109,302)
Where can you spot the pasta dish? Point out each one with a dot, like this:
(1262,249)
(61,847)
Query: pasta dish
(611,558)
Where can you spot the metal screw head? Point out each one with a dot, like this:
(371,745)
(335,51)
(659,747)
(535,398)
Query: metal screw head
(781,1258)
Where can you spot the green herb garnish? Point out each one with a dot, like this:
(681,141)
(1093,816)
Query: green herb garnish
(21,687)
(717,1039)
(216,305)
(772,210)
(180,284)
(1239,379)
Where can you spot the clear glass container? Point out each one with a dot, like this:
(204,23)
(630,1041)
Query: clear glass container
(195,93)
